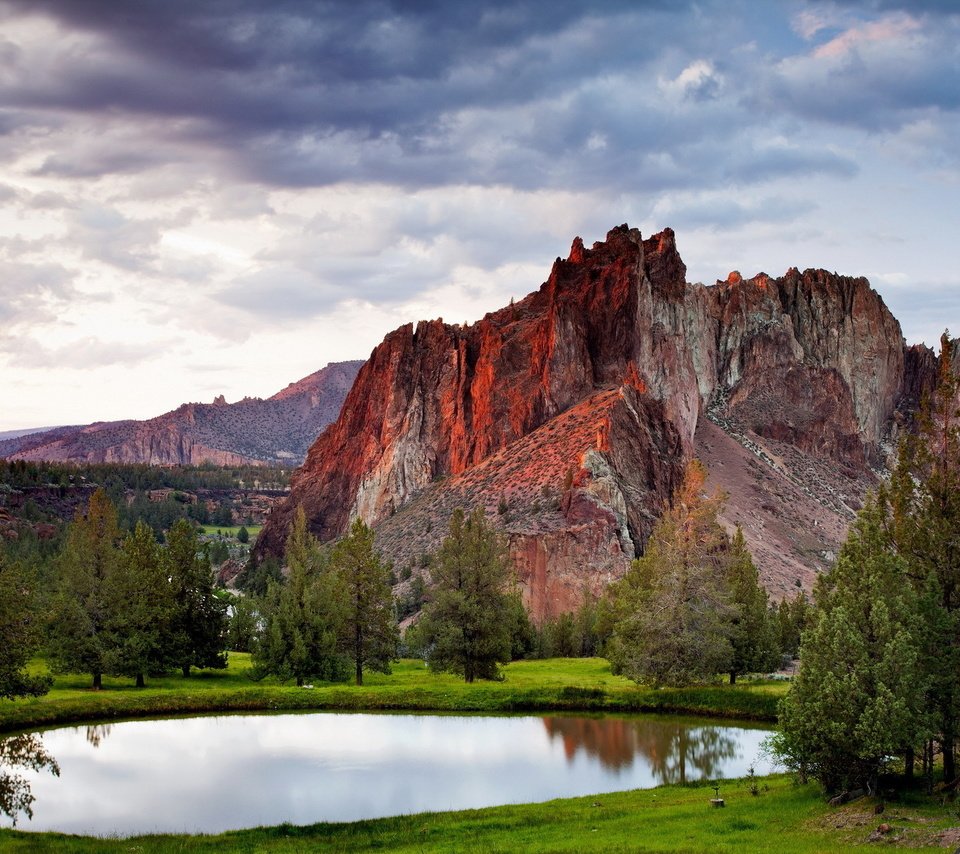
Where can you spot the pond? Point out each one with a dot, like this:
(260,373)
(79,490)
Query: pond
(211,774)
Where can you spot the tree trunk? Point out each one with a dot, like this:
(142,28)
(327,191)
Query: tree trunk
(140,682)
(733,678)
(299,681)
(949,759)
(185,670)
(909,760)
(97,681)
(358,653)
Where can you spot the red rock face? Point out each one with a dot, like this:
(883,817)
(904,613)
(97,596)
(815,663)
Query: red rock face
(577,408)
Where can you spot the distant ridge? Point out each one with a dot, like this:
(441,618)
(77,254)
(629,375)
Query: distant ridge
(275,431)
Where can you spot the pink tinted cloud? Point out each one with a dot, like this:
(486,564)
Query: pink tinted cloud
(892,28)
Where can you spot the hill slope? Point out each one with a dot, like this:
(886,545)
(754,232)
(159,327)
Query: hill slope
(277,430)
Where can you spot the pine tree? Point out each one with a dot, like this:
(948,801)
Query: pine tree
(19,632)
(924,495)
(754,635)
(303,617)
(369,636)
(672,612)
(860,694)
(462,626)
(198,617)
(90,557)
(140,609)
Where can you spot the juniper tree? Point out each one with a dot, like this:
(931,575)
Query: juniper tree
(197,623)
(463,628)
(754,636)
(672,612)
(89,559)
(369,634)
(859,697)
(302,616)
(19,632)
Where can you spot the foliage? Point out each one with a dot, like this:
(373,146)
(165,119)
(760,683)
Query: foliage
(90,559)
(673,610)
(19,632)
(754,633)
(924,523)
(303,618)
(792,617)
(462,624)
(369,630)
(198,618)
(242,621)
(21,751)
(139,609)
(859,697)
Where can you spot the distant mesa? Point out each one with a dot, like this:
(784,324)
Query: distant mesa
(569,415)
(276,431)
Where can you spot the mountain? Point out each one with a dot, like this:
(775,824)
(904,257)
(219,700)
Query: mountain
(570,416)
(277,431)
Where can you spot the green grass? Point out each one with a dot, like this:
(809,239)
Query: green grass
(557,684)
(231,530)
(782,819)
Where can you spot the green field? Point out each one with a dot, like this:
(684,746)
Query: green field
(556,684)
(782,817)
(231,530)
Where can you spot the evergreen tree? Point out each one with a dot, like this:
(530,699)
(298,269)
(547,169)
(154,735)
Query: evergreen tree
(90,558)
(792,617)
(198,618)
(19,632)
(754,635)
(304,616)
(672,611)
(370,636)
(924,495)
(859,696)
(462,626)
(140,609)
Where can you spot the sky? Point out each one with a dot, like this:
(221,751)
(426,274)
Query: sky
(204,197)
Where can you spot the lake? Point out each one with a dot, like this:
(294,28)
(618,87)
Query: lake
(211,774)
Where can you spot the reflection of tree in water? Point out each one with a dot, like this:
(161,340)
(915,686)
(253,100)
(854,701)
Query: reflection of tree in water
(21,751)
(97,733)
(675,752)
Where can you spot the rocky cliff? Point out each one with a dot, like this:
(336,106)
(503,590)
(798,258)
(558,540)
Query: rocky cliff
(571,413)
(278,430)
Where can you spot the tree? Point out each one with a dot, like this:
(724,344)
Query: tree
(90,557)
(462,625)
(198,617)
(672,611)
(370,634)
(243,535)
(793,616)
(303,617)
(19,632)
(924,522)
(754,636)
(140,609)
(859,696)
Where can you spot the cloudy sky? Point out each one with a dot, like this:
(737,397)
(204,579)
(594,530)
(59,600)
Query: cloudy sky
(221,196)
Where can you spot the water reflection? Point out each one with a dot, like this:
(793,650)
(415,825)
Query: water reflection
(23,752)
(674,751)
(97,733)
(214,774)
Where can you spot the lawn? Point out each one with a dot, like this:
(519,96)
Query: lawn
(782,817)
(556,684)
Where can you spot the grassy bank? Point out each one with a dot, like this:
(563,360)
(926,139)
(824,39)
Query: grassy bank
(782,818)
(552,685)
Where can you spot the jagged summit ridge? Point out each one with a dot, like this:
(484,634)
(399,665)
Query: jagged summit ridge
(813,361)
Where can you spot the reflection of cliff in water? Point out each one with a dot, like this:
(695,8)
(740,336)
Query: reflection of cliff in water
(676,752)
(27,752)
